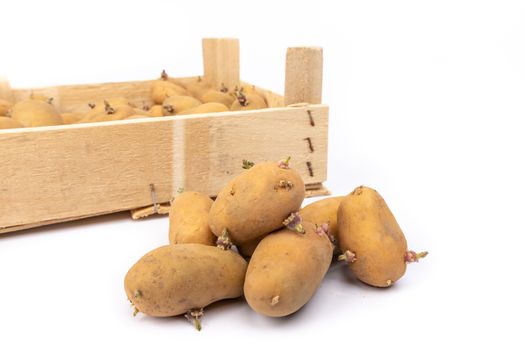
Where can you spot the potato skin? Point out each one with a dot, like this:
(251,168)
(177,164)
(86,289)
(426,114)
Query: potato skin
(189,222)
(71,118)
(162,89)
(217,96)
(176,104)
(31,113)
(246,249)
(9,123)
(286,269)
(156,111)
(254,203)
(368,229)
(254,101)
(175,278)
(5,106)
(208,107)
(323,211)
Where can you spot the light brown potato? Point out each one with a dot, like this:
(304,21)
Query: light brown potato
(251,89)
(176,104)
(323,211)
(41,97)
(374,245)
(9,123)
(189,222)
(156,111)
(71,118)
(210,107)
(100,108)
(5,106)
(248,101)
(286,269)
(164,88)
(197,88)
(161,90)
(141,111)
(111,112)
(175,278)
(217,96)
(31,113)
(100,105)
(246,249)
(256,202)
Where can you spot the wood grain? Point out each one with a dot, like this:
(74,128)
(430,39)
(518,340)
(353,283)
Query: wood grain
(304,75)
(5,89)
(52,174)
(221,62)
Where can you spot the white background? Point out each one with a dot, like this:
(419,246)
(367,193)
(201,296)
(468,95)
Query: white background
(427,106)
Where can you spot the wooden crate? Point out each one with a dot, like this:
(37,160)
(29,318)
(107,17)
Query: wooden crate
(60,173)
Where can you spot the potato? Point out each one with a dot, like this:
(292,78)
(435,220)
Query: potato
(101,107)
(111,112)
(251,89)
(164,88)
(176,278)
(323,211)
(371,239)
(40,97)
(5,106)
(246,249)
(141,111)
(210,107)
(136,116)
(32,113)
(197,88)
(248,101)
(156,111)
(9,123)
(176,104)
(257,201)
(286,269)
(189,214)
(71,118)
(160,90)
(217,96)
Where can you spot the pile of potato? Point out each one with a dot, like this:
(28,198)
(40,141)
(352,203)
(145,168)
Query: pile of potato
(168,96)
(288,249)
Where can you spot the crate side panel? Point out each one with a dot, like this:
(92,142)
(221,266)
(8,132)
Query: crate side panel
(215,151)
(78,171)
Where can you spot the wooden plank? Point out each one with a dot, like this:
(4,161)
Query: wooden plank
(55,173)
(304,75)
(221,62)
(5,89)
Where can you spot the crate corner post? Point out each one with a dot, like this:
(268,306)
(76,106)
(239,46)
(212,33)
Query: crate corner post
(5,89)
(304,75)
(221,61)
